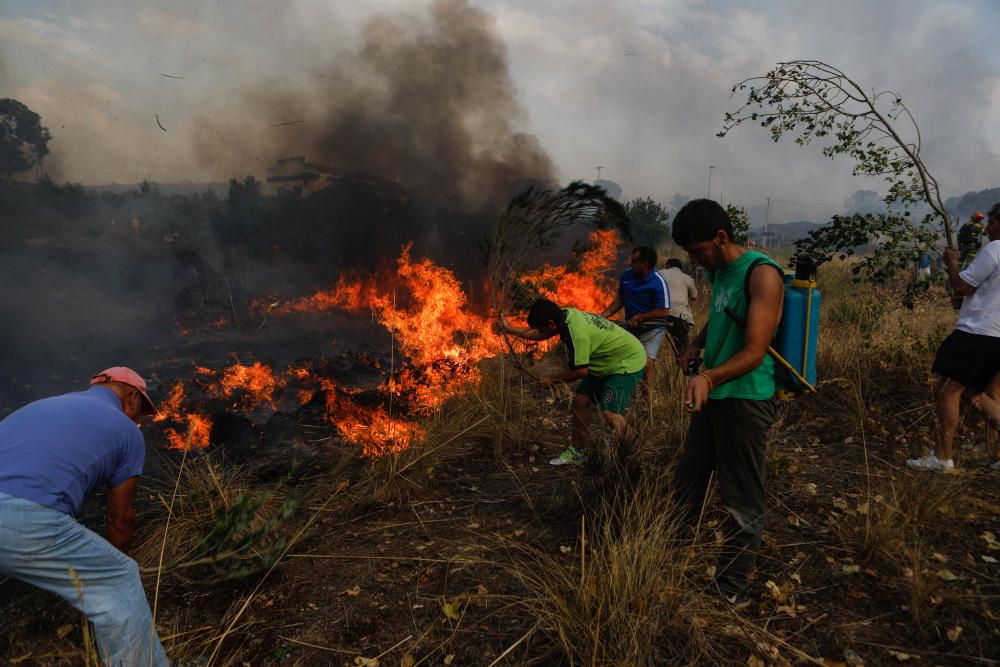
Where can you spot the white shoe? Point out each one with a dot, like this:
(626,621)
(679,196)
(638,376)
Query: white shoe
(995,466)
(932,463)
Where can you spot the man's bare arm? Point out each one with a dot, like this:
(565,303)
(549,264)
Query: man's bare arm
(656,313)
(961,287)
(615,306)
(121,514)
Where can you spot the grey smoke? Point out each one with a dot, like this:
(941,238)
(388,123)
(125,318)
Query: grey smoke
(426,101)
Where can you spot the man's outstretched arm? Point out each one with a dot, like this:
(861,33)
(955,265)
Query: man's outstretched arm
(528,333)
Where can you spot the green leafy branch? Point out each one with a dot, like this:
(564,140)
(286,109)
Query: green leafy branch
(812,100)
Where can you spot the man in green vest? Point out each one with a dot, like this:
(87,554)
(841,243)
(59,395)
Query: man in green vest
(731,396)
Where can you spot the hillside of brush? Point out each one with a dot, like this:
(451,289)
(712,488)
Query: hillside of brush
(467,549)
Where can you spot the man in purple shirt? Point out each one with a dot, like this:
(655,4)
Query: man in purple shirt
(55,451)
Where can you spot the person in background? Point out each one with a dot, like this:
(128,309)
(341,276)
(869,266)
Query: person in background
(608,361)
(969,358)
(924,264)
(732,398)
(970,239)
(646,298)
(55,451)
(683,292)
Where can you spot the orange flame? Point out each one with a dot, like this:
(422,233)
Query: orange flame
(251,386)
(588,288)
(441,339)
(172,409)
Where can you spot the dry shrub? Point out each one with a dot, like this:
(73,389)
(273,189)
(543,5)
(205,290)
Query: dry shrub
(629,593)
(900,514)
(223,523)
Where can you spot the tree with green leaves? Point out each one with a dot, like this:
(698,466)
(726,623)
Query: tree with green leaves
(23,139)
(740,221)
(648,219)
(812,100)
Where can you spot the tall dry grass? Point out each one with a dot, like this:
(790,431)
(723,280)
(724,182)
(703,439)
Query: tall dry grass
(630,592)
(223,523)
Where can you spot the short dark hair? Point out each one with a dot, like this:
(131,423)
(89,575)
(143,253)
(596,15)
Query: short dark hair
(994,211)
(698,221)
(646,255)
(674,263)
(542,311)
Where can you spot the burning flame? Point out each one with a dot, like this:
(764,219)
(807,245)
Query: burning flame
(588,287)
(432,325)
(197,427)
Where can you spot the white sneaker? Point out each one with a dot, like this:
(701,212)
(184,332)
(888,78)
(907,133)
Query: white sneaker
(932,463)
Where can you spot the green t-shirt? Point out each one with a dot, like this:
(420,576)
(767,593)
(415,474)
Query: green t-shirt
(600,345)
(725,337)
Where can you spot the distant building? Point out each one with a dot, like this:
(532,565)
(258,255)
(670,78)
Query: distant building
(297,177)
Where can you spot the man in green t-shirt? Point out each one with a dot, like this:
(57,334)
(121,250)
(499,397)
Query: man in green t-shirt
(608,361)
(732,397)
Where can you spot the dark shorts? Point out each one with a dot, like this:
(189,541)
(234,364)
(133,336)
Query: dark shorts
(972,360)
(612,393)
(679,329)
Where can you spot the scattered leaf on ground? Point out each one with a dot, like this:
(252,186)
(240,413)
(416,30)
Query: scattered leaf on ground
(450,610)
(851,569)
(946,575)
(853,658)
(353,592)
(954,633)
(903,657)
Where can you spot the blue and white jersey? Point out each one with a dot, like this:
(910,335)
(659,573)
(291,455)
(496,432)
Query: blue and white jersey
(641,295)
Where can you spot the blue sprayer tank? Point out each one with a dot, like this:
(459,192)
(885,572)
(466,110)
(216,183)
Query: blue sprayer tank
(798,334)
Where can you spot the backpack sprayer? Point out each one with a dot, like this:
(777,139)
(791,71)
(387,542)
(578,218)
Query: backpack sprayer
(794,345)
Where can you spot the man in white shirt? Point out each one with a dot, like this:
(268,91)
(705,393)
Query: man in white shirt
(682,293)
(969,358)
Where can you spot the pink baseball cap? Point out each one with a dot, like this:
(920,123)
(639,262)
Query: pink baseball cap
(129,377)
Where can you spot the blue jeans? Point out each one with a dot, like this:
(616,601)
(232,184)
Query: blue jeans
(49,549)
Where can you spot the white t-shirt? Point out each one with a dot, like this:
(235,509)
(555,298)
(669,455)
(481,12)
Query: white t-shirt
(980,312)
(682,292)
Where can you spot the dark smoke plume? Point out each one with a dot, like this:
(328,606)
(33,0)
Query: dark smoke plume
(426,102)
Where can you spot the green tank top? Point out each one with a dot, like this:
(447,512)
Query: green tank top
(725,337)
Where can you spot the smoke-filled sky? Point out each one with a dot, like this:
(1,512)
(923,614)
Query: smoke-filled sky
(498,89)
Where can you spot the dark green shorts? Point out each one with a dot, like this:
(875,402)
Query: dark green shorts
(611,393)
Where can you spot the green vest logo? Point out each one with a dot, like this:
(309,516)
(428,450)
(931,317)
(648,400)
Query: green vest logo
(722,297)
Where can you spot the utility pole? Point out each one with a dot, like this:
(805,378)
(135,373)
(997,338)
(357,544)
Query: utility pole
(709,193)
(767,217)
(598,168)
